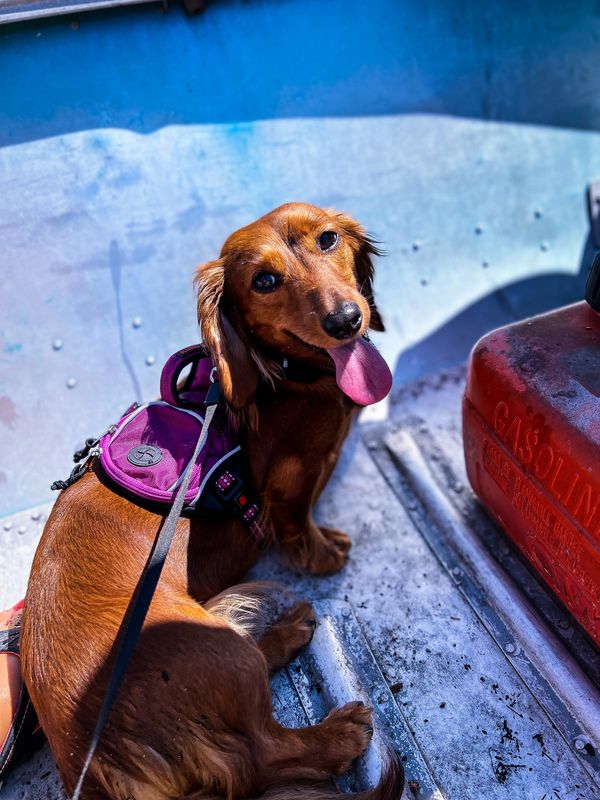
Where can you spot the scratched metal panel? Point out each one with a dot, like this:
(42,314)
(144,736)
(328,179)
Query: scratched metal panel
(101,232)
(139,69)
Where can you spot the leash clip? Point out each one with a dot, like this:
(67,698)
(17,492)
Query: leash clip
(214,390)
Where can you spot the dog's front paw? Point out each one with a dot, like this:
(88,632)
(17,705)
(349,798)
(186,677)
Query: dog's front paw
(351,730)
(329,553)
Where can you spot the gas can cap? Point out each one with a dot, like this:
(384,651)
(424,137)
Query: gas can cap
(592,288)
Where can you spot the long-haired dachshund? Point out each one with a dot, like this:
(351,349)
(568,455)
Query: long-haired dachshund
(283,311)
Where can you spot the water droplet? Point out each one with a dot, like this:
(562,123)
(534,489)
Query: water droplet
(7,525)
(136,322)
(538,213)
(485,264)
(479,230)
(21,529)
(544,246)
(71,383)
(57,344)
(35,515)
(416,245)
(150,360)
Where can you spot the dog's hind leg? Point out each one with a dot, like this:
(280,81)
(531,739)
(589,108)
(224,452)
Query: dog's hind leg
(280,624)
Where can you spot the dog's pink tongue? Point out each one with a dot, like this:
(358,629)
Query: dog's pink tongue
(361,372)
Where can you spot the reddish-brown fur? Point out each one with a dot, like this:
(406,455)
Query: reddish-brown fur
(194,714)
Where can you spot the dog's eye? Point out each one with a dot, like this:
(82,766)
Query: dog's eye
(327,240)
(265,281)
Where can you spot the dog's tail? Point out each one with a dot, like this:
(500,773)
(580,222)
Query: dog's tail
(390,786)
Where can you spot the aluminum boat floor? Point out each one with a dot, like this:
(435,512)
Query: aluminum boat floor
(435,621)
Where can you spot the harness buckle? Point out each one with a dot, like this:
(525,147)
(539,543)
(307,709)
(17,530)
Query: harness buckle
(229,486)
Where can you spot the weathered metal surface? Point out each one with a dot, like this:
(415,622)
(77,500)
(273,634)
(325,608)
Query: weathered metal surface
(565,692)
(134,68)
(19,535)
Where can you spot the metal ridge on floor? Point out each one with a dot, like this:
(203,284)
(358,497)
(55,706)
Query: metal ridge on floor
(338,667)
(547,669)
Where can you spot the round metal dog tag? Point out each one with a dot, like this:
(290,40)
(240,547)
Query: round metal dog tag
(144,455)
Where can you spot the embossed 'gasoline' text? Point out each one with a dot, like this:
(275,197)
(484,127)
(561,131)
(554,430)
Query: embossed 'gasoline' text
(569,486)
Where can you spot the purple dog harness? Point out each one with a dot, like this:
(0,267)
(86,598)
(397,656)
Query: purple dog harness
(145,455)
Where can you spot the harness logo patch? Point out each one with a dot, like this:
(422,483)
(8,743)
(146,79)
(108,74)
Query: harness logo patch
(144,455)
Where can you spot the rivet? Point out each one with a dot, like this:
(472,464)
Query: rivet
(458,488)
(71,383)
(382,699)
(57,344)
(544,246)
(479,230)
(136,322)
(372,445)
(150,360)
(21,529)
(7,525)
(580,743)
(564,624)
(35,515)
(456,570)
(345,611)
(538,213)
(510,648)
(416,245)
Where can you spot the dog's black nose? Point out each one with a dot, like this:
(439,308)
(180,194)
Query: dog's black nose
(344,322)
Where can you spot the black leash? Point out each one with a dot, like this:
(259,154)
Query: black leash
(142,597)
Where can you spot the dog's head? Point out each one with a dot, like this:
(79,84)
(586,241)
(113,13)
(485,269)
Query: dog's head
(296,283)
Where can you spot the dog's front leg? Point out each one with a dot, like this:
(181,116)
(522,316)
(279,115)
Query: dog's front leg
(291,492)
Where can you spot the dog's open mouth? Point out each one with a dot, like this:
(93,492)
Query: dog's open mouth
(360,370)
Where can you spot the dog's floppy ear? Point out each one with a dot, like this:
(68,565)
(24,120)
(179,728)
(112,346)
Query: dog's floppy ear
(364,249)
(238,375)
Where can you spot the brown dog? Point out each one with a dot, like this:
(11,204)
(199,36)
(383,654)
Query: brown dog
(194,713)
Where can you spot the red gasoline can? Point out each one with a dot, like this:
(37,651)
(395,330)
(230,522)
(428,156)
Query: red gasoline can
(531,427)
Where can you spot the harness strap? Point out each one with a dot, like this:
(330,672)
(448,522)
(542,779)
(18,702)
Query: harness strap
(137,609)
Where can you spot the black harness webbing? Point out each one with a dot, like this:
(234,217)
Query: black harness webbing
(139,604)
